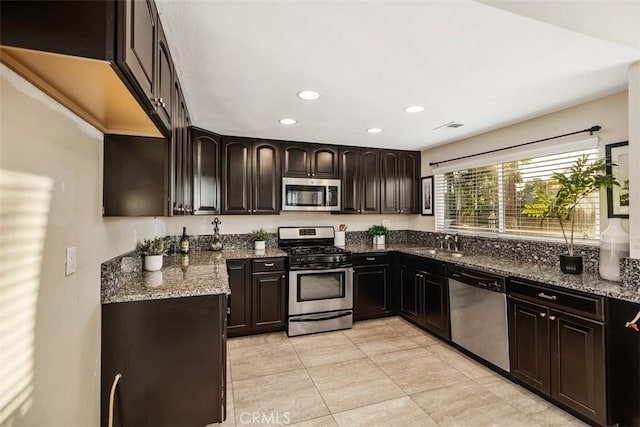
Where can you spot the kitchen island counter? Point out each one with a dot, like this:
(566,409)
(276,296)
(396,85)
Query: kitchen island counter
(588,282)
(196,274)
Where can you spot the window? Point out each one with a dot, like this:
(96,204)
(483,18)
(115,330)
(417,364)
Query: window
(491,198)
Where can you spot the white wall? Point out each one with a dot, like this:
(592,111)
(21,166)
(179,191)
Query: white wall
(609,112)
(232,224)
(53,320)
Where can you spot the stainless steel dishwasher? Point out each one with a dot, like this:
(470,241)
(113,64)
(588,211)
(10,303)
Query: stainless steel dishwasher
(478,310)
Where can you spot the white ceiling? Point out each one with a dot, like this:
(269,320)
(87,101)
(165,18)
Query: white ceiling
(241,64)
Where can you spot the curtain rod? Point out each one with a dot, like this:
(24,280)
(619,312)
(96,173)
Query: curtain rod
(591,130)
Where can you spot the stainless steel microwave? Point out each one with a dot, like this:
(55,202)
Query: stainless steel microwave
(310,194)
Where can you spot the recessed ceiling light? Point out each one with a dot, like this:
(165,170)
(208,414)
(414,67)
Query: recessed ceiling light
(308,95)
(288,122)
(414,109)
(374,130)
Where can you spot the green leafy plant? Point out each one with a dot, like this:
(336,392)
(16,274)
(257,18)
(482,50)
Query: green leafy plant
(257,235)
(156,246)
(582,179)
(378,230)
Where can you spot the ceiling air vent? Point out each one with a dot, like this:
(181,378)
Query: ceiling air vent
(452,125)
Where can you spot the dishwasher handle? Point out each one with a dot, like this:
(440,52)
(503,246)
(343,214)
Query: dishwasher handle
(484,281)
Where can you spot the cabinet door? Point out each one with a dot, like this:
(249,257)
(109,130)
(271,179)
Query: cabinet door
(140,44)
(436,305)
(408,182)
(163,348)
(181,156)
(324,162)
(268,302)
(236,176)
(296,161)
(409,292)
(349,172)
(266,178)
(163,80)
(578,364)
(239,318)
(529,343)
(370,292)
(370,181)
(389,184)
(206,172)
(135,176)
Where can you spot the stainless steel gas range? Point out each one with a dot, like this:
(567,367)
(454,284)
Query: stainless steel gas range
(320,281)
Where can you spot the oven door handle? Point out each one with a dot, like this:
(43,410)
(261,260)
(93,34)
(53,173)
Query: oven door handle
(320,316)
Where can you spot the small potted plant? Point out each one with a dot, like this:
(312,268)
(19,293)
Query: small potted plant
(378,232)
(153,251)
(583,178)
(258,238)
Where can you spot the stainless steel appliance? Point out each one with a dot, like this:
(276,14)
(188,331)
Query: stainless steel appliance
(310,194)
(478,310)
(320,281)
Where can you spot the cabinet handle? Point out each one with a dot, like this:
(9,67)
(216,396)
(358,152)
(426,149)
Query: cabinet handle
(370,258)
(545,296)
(313,174)
(111,396)
(268,264)
(283,276)
(308,174)
(552,317)
(543,314)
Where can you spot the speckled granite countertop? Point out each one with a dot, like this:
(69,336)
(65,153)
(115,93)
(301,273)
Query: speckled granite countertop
(586,282)
(205,273)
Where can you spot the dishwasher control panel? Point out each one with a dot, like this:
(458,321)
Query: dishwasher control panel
(478,279)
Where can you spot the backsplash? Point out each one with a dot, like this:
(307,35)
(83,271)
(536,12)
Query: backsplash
(630,273)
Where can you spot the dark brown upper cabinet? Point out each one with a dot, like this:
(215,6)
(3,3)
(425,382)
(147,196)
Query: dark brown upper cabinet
(206,172)
(135,179)
(302,160)
(399,175)
(360,180)
(181,157)
(251,179)
(118,68)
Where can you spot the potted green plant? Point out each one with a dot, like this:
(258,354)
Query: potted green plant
(583,178)
(153,251)
(378,232)
(258,238)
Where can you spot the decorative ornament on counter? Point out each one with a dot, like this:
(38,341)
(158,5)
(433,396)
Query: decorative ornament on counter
(216,244)
(614,245)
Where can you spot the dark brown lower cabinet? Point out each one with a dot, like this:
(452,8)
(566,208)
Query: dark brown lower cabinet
(239,316)
(424,294)
(560,354)
(258,299)
(268,302)
(371,286)
(171,354)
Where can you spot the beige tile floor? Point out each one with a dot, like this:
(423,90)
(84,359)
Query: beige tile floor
(383,372)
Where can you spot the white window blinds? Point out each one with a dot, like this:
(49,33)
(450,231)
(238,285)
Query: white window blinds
(490,198)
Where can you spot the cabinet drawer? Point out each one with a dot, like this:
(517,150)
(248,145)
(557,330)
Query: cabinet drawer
(268,264)
(373,258)
(573,302)
(435,267)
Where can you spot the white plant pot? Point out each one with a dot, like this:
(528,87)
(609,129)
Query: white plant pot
(379,240)
(259,245)
(153,262)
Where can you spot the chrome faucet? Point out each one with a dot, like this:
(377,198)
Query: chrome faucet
(452,240)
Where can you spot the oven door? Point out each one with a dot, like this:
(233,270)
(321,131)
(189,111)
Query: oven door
(316,291)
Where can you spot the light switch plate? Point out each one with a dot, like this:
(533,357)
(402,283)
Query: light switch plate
(70,263)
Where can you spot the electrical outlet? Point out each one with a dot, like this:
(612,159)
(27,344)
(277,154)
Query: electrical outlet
(70,263)
(386,223)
